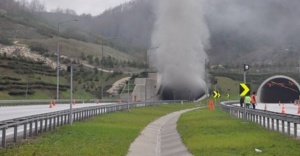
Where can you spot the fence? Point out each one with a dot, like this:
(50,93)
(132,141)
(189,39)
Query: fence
(37,124)
(284,123)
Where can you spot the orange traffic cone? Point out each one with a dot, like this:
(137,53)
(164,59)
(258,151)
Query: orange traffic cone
(265,107)
(283,109)
(298,109)
(211,105)
(51,105)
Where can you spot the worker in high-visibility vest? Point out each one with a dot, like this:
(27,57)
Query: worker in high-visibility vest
(247,101)
(253,100)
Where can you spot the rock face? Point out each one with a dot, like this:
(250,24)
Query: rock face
(19,50)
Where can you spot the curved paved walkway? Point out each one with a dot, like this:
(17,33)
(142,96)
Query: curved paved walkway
(160,138)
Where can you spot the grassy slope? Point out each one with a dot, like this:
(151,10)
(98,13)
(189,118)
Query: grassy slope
(109,134)
(226,85)
(215,133)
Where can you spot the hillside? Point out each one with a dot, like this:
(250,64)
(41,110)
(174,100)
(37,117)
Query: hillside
(28,56)
(253,32)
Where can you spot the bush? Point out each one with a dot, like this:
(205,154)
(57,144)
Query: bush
(38,48)
(6,41)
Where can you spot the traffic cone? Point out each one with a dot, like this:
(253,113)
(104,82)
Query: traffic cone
(51,105)
(298,109)
(265,107)
(211,105)
(283,109)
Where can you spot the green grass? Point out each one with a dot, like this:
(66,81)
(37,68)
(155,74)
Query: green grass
(215,133)
(106,135)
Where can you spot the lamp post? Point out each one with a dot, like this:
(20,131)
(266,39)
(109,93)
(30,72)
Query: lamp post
(70,69)
(58,56)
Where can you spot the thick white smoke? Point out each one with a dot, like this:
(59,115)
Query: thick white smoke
(182,36)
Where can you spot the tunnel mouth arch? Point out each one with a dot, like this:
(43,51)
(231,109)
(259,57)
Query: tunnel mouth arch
(277,89)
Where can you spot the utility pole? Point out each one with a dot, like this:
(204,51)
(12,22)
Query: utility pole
(102,63)
(246,68)
(70,69)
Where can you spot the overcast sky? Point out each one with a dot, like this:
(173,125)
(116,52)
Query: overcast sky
(94,7)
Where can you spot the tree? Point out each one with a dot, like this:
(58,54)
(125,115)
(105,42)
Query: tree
(83,56)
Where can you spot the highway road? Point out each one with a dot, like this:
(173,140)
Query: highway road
(290,108)
(11,112)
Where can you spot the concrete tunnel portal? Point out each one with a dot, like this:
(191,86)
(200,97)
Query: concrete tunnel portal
(277,89)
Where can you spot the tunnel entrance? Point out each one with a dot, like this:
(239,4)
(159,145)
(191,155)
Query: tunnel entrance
(278,88)
(173,93)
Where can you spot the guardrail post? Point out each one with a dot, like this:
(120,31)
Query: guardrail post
(36,127)
(15,133)
(289,128)
(264,121)
(277,125)
(25,131)
(260,120)
(50,123)
(272,124)
(295,130)
(4,137)
(46,124)
(54,122)
(282,126)
(41,125)
(65,121)
(256,118)
(30,128)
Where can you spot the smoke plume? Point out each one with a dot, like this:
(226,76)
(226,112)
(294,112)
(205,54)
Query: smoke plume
(181,37)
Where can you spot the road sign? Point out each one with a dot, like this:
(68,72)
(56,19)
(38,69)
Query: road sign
(216,94)
(244,89)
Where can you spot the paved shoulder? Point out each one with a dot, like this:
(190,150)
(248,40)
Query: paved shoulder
(160,138)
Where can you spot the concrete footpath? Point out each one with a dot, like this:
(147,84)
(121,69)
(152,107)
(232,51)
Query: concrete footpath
(160,138)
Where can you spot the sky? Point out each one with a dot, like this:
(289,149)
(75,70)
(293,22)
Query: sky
(94,7)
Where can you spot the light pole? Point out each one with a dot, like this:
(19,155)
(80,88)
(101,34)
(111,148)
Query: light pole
(70,69)
(58,56)
(127,82)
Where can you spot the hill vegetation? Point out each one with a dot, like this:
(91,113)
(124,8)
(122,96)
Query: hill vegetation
(25,33)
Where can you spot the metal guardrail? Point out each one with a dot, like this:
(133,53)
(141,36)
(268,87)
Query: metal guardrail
(37,124)
(284,123)
(39,102)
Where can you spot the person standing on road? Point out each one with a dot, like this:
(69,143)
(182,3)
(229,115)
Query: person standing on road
(242,101)
(253,100)
(247,101)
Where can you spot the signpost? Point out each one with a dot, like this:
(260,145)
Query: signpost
(244,86)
